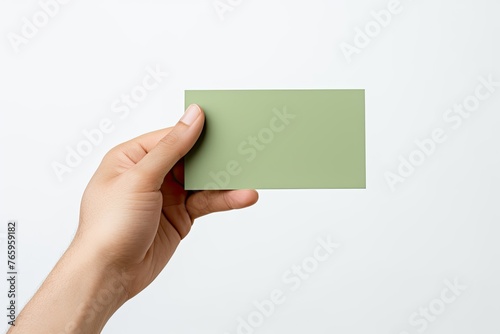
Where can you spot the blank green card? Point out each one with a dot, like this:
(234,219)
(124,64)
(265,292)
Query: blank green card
(278,139)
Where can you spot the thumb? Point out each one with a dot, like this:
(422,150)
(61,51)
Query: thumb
(153,167)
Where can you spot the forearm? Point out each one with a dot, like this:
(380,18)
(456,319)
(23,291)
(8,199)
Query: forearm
(78,296)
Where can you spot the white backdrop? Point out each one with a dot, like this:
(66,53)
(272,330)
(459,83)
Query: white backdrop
(400,244)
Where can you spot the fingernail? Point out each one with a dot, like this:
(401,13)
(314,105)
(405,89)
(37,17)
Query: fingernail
(191,114)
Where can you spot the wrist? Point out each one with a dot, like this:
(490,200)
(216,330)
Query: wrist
(79,296)
(102,288)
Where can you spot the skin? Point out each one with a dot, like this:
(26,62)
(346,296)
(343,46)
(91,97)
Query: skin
(133,215)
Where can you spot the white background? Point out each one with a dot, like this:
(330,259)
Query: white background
(396,247)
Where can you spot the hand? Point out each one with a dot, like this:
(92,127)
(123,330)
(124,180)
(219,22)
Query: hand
(133,215)
(135,209)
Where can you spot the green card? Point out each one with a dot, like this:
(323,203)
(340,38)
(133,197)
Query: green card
(278,139)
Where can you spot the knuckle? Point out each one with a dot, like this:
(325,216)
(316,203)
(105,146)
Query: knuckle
(228,201)
(171,142)
(202,202)
(171,139)
(112,153)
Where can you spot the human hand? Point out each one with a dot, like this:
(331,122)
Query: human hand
(133,215)
(135,210)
